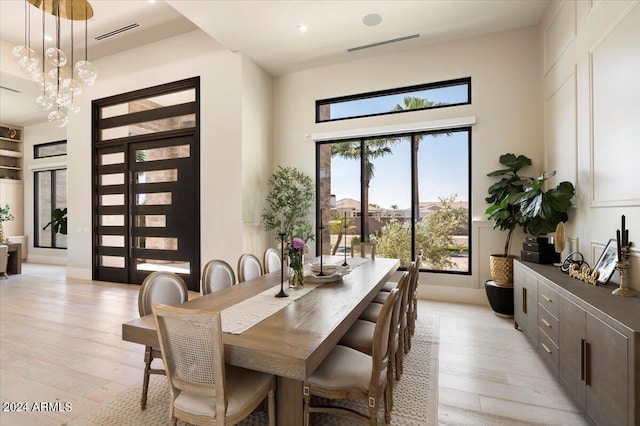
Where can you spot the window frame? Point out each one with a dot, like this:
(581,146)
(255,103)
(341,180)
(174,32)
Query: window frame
(37,226)
(42,145)
(396,91)
(412,135)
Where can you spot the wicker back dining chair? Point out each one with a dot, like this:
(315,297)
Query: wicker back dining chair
(203,390)
(249,267)
(216,275)
(272,260)
(348,373)
(169,289)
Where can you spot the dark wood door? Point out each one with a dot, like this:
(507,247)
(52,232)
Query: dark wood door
(147,210)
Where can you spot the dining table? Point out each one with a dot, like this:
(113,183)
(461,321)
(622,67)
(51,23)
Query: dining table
(293,341)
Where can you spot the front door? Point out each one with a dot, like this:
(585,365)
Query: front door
(147,210)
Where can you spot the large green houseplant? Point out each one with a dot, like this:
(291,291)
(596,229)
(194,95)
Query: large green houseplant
(521,201)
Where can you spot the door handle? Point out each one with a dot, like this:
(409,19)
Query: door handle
(524,300)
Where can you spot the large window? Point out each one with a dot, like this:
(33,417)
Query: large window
(406,192)
(50,187)
(440,94)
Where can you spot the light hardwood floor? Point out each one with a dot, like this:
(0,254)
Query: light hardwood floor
(60,341)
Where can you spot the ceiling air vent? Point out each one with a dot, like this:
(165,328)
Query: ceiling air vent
(116,32)
(9,89)
(381,43)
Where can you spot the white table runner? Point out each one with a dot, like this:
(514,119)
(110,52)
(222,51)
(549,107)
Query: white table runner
(242,316)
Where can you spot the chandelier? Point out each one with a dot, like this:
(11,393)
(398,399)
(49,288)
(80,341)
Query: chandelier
(60,79)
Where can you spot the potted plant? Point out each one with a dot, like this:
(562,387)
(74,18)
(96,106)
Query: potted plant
(58,221)
(5,216)
(506,216)
(522,201)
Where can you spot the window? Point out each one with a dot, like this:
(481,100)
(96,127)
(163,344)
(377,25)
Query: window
(51,149)
(413,98)
(407,192)
(50,187)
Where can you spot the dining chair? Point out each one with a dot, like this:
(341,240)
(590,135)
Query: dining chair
(347,373)
(216,275)
(366,249)
(412,314)
(360,336)
(4,260)
(249,267)
(272,260)
(167,288)
(203,390)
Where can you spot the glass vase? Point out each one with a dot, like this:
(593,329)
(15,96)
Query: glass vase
(296,276)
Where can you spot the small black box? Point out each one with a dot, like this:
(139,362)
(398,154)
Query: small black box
(539,247)
(538,257)
(536,240)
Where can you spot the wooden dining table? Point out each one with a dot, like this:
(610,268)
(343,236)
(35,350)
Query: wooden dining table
(293,342)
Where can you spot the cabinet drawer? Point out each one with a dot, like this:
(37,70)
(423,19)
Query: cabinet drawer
(548,324)
(548,351)
(548,298)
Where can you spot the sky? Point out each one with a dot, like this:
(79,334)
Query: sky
(442,171)
(443,168)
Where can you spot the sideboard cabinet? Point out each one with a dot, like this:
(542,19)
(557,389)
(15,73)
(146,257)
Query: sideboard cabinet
(589,338)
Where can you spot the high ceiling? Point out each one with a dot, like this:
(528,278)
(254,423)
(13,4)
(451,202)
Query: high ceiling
(266,31)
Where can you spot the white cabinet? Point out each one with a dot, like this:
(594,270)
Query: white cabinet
(525,301)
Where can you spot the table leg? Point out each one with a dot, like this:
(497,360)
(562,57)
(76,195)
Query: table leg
(289,401)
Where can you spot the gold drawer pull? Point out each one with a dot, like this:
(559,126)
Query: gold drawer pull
(547,299)
(545,322)
(546,348)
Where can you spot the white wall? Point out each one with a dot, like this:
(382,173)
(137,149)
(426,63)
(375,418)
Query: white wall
(180,57)
(591,90)
(34,135)
(506,101)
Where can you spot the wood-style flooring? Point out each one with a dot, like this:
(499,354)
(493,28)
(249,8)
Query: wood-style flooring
(60,342)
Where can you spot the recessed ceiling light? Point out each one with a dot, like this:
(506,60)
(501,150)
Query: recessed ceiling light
(372,19)
(302,28)
(48,38)
(151,1)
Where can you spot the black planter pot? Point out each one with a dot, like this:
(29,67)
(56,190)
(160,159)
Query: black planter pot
(500,299)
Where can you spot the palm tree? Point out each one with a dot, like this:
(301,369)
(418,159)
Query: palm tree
(373,149)
(411,103)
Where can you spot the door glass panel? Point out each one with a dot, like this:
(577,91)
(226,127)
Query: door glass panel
(112,261)
(153,199)
(112,220)
(112,240)
(147,127)
(153,265)
(151,221)
(165,153)
(112,158)
(177,98)
(43,181)
(112,179)
(156,243)
(157,176)
(112,200)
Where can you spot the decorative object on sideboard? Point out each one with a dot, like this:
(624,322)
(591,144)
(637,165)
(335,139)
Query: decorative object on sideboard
(559,240)
(583,273)
(622,265)
(606,264)
(573,257)
(60,87)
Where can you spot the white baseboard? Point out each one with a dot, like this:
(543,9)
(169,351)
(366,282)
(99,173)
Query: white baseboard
(453,294)
(47,260)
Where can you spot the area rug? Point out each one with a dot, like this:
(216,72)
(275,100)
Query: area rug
(415,396)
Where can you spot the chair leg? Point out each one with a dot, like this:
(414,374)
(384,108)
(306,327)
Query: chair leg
(407,340)
(148,357)
(306,403)
(272,408)
(373,414)
(390,385)
(388,402)
(399,362)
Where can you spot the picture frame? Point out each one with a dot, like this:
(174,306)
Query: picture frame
(606,263)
